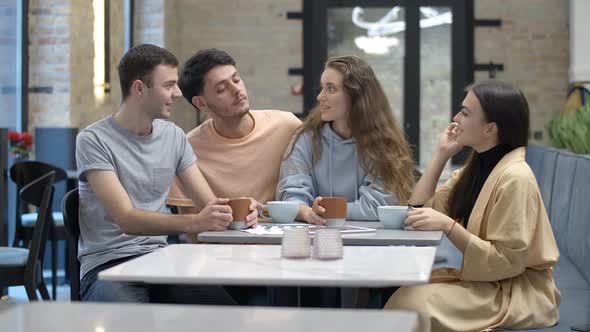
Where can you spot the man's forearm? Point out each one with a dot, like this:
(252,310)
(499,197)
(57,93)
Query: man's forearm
(115,200)
(195,186)
(141,222)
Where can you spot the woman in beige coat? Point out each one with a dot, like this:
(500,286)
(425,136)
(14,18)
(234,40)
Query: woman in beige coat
(492,211)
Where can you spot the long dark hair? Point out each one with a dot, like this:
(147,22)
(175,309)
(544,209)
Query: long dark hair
(383,150)
(505,105)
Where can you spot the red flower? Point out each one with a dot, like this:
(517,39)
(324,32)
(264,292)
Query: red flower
(28,138)
(20,144)
(14,136)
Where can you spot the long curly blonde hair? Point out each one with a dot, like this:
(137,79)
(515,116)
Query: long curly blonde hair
(382,146)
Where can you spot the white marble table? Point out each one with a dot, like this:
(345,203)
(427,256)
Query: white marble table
(262,265)
(74,317)
(381,237)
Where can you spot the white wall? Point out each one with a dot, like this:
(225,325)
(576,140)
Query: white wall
(579,40)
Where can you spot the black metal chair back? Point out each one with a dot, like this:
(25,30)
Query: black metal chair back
(22,173)
(40,194)
(69,207)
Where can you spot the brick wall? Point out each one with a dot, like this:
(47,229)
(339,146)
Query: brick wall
(61,63)
(81,64)
(533,44)
(49,72)
(149,22)
(256,33)
(148,28)
(85,107)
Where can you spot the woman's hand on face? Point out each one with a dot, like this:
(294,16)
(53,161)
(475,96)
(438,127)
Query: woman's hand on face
(448,144)
(427,219)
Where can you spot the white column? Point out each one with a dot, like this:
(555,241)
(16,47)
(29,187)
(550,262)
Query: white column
(579,40)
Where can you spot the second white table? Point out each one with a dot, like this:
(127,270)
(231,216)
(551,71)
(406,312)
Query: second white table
(263,265)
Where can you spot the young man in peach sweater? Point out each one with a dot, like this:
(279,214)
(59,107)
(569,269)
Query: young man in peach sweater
(239,151)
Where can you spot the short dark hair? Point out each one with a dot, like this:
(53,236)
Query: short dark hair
(191,80)
(139,63)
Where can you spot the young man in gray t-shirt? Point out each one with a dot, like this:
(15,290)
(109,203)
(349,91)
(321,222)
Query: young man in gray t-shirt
(126,163)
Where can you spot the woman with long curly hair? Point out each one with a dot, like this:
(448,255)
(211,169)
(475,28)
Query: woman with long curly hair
(492,211)
(350,145)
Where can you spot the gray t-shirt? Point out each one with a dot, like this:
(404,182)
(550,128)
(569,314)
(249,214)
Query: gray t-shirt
(145,165)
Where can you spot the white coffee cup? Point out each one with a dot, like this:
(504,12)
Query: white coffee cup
(282,212)
(392,217)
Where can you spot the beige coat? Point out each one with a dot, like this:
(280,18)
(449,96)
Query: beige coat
(506,280)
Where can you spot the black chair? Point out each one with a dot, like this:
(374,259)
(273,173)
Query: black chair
(21,174)
(69,206)
(20,266)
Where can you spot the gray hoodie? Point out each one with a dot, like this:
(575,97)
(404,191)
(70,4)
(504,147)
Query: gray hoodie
(338,172)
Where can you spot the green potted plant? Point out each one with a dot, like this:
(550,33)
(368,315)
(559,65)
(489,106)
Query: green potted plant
(571,130)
